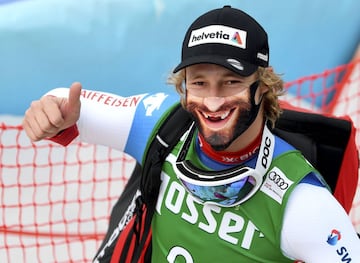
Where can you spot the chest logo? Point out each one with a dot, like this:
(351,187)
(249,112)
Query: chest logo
(276,184)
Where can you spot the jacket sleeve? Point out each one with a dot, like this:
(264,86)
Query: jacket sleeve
(122,123)
(316,228)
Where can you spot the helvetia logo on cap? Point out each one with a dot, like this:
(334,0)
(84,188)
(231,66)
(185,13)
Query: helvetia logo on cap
(217,34)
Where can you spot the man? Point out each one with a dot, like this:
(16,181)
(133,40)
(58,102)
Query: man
(220,197)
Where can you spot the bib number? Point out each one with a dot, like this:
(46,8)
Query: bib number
(179,252)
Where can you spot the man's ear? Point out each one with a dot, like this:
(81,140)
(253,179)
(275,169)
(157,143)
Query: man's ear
(263,88)
(271,69)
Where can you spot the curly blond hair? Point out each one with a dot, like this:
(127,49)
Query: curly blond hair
(266,77)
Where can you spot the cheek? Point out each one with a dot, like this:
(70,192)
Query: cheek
(191,101)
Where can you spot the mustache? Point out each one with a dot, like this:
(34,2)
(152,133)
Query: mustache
(243,105)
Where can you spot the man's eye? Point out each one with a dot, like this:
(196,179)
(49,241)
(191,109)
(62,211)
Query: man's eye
(231,82)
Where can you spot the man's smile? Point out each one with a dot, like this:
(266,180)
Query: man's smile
(216,120)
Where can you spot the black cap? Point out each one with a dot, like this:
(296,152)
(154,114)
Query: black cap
(227,37)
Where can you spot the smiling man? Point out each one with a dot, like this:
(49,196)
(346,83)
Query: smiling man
(231,190)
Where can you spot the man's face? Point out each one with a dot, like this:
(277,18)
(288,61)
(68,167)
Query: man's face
(219,100)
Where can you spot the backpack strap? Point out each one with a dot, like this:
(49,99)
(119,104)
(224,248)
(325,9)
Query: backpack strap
(164,138)
(134,242)
(166,135)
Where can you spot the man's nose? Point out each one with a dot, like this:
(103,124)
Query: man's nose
(214,103)
(214,90)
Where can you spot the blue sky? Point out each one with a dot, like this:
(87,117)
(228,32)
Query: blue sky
(129,47)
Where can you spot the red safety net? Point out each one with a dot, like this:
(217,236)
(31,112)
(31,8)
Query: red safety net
(55,201)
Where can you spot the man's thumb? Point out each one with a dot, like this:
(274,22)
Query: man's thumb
(74,96)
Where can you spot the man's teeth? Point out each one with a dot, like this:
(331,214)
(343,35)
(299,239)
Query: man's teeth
(222,116)
(225,115)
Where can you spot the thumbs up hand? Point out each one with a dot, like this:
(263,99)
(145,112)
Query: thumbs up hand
(49,115)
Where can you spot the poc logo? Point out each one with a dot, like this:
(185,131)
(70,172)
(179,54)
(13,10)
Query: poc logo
(278,180)
(266,152)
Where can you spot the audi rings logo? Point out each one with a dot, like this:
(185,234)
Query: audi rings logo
(278,180)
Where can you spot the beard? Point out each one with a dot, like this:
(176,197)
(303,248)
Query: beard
(220,141)
(241,113)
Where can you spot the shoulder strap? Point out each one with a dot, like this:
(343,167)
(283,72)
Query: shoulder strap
(133,243)
(163,139)
(165,136)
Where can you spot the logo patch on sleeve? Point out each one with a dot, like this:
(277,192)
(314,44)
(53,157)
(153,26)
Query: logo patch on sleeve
(154,102)
(276,184)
